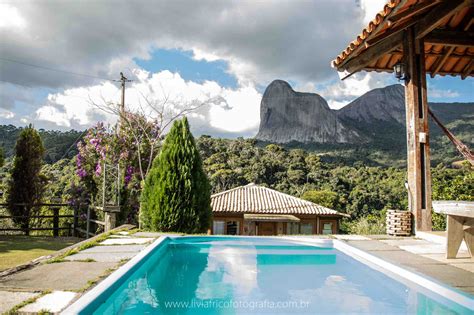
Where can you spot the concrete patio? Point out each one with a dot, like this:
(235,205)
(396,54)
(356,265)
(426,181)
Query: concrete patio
(69,278)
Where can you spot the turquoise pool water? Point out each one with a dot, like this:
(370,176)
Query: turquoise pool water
(207,275)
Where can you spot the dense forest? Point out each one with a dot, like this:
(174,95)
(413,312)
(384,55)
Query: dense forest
(362,190)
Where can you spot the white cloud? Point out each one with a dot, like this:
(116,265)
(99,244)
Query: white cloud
(6,114)
(343,92)
(10,17)
(371,8)
(440,93)
(225,110)
(52,114)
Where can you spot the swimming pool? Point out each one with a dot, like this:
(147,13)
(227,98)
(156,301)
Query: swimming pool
(247,275)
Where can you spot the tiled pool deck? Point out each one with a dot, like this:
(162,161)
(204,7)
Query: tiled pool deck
(67,280)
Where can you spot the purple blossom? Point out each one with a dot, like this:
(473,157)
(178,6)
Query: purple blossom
(81,172)
(98,169)
(128,174)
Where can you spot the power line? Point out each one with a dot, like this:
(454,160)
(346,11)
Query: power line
(55,70)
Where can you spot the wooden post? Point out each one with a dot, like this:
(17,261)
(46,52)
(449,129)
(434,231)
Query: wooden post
(75,221)
(88,222)
(55,221)
(418,149)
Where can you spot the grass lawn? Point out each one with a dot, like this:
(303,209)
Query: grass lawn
(17,250)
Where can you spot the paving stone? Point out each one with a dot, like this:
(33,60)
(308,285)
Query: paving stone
(9,299)
(450,275)
(102,257)
(126,241)
(148,234)
(371,245)
(115,249)
(402,257)
(425,249)
(466,266)
(351,237)
(53,302)
(460,259)
(406,242)
(57,276)
(124,233)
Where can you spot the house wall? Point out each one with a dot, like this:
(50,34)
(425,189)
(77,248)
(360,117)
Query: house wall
(280,228)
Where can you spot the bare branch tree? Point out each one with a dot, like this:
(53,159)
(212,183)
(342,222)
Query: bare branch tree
(149,119)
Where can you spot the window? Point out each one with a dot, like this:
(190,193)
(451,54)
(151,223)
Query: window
(233,227)
(292,228)
(218,227)
(306,228)
(327,228)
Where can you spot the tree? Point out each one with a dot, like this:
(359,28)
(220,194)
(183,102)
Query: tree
(2,157)
(26,183)
(324,198)
(176,195)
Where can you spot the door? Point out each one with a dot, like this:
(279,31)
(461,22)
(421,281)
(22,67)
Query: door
(328,227)
(266,228)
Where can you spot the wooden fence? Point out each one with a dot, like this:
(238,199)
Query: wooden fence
(52,211)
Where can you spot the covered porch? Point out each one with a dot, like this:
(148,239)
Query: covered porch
(413,38)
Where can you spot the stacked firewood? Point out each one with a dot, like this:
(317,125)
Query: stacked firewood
(398,223)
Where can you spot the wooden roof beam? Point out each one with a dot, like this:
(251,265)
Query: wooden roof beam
(373,52)
(441,61)
(468,69)
(413,10)
(451,38)
(433,19)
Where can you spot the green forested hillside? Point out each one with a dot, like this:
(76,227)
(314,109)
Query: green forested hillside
(360,190)
(58,144)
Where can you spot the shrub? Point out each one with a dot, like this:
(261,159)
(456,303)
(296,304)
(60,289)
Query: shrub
(176,195)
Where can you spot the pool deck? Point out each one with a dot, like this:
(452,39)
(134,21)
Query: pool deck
(68,279)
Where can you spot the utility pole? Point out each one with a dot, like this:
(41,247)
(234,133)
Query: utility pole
(123,80)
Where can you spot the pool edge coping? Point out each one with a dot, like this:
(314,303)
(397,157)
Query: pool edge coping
(86,299)
(438,288)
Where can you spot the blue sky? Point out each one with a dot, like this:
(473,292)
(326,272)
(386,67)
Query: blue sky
(189,68)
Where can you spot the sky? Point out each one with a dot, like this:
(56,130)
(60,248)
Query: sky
(59,59)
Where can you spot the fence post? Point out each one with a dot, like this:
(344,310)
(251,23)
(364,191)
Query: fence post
(27,220)
(55,222)
(88,222)
(75,221)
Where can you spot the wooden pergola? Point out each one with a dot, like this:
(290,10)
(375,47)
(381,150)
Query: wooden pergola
(422,36)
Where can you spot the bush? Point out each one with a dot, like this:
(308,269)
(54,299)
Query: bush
(176,195)
(370,225)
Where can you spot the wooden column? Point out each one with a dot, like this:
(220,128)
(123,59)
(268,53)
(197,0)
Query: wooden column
(418,148)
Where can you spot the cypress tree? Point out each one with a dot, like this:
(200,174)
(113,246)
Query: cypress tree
(26,184)
(176,194)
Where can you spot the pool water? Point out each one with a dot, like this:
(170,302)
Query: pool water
(208,275)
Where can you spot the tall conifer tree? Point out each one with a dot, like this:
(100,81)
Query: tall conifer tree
(176,195)
(26,184)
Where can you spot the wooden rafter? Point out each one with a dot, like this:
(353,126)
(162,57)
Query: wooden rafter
(441,61)
(451,38)
(374,52)
(377,29)
(433,19)
(468,69)
(413,10)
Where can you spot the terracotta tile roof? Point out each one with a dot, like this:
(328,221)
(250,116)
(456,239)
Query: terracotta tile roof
(368,30)
(262,200)
(398,15)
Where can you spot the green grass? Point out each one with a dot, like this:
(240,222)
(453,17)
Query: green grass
(17,250)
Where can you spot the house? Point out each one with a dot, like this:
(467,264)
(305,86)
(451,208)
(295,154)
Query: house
(258,210)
